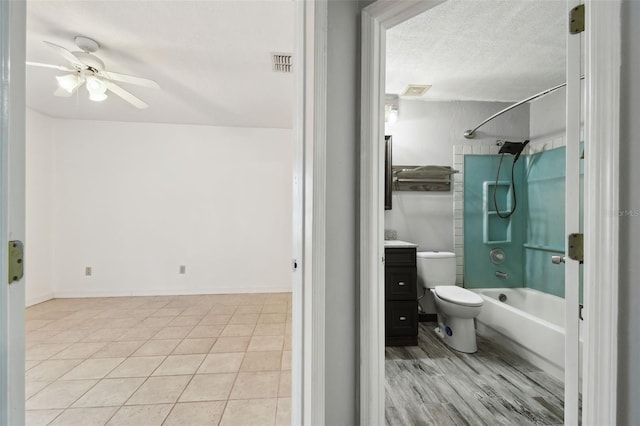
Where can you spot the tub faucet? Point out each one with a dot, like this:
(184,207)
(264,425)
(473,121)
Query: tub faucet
(502,275)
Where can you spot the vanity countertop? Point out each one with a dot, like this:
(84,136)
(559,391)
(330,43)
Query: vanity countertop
(398,244)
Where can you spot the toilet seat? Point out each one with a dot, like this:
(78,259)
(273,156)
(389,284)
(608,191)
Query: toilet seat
(458,295)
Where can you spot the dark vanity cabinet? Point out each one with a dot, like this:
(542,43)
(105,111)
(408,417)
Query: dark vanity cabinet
(401,308)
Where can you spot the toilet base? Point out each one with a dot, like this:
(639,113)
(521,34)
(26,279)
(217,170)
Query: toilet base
(458,333)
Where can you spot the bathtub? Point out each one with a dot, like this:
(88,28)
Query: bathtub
(529,323)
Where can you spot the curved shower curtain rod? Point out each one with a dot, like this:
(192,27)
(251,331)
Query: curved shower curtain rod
(470,134)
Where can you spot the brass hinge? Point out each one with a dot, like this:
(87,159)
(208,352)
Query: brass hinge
(576,19)
(16,261)
(576,247)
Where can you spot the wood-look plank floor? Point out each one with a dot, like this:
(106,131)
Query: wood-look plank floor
(431,384)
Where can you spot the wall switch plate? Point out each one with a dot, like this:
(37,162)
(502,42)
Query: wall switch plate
(183,269)
(88,271)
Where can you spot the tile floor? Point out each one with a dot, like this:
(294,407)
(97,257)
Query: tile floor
(167,360)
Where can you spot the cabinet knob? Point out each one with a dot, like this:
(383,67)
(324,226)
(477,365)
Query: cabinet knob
(401,283)
(403,318)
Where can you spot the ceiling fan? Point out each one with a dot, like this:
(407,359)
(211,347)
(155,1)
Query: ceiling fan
(88,69)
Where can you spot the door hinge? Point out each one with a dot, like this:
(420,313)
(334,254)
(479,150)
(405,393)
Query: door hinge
(16,261)
(576,247)
(576,19)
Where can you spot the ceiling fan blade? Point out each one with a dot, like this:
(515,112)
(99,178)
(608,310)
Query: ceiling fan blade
(60,92)
(68,56)
(126,95)
(55,67)
(124,78)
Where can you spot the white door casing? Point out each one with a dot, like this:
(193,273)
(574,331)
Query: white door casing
(308,361)
(376,19)
(601,205)
(12,206)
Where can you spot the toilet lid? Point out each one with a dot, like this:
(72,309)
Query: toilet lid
(458,295)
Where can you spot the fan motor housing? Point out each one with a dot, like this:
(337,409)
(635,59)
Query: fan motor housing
(90,60)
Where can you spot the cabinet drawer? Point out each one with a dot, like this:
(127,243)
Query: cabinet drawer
(400,283)
(400,256)
(401,318)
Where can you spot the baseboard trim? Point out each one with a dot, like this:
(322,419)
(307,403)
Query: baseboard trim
(39,299)
(171,292)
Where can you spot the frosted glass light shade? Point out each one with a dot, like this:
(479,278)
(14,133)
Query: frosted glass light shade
(97,89)
(97,96)
(95,85)
(69,82)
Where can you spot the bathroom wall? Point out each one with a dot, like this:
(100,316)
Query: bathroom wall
(425,134)
(135,201)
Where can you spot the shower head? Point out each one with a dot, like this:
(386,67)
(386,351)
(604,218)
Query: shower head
(513,148)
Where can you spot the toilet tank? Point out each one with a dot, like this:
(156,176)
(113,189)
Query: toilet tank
(436,268)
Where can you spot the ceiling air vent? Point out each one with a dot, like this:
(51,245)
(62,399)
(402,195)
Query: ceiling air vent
(416,90)
(282,62)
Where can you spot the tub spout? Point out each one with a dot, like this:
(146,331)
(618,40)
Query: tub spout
(502,275)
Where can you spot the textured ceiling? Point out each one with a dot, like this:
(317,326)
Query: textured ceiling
(483,50)
(212,59)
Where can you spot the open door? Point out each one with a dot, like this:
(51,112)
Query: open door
(12,208)
(573,203)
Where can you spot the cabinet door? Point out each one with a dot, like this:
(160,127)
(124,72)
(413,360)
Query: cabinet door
(400,283)
(401,319)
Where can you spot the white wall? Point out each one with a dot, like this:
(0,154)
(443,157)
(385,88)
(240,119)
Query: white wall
(135,201)
(39,200)
(425,134)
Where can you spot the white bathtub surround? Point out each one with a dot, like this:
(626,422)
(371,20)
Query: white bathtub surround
(529,323)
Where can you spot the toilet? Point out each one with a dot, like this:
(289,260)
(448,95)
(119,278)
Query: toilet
(456,307)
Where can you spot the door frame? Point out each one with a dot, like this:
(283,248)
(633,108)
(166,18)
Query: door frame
(602,46)
(309,129)
(309,145)
(12,205)
(5,18)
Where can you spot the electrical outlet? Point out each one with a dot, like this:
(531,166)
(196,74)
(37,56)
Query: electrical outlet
(88,271)
(183,269)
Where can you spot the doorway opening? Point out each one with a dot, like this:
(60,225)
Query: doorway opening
(378,20)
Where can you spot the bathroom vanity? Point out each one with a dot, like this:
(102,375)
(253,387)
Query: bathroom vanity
(400,282)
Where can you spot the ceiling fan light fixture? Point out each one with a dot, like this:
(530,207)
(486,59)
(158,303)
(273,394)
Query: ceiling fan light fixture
(88,68)
(69,82)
